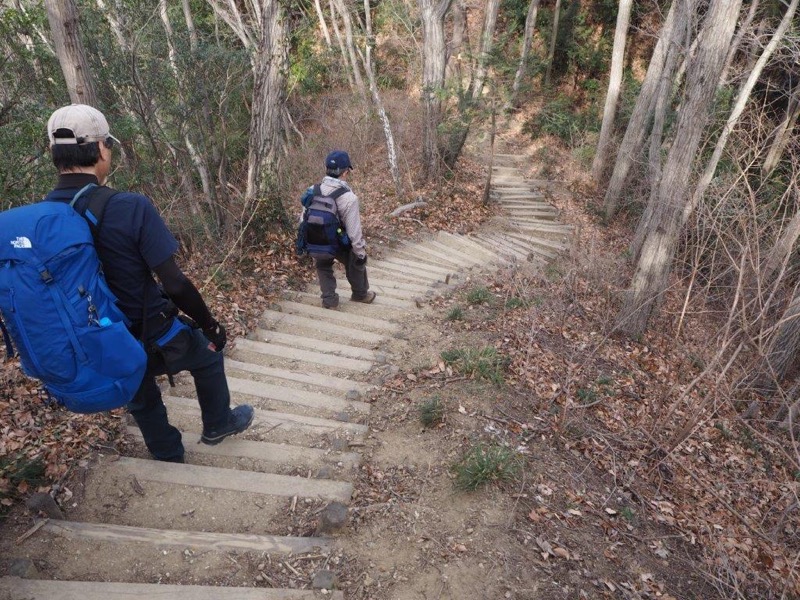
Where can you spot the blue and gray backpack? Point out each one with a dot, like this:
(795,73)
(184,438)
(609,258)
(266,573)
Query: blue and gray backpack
(59,312)
(320,231)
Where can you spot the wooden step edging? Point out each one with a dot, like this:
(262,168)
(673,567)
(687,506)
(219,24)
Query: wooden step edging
(268,484)
(196,540)
(38,589)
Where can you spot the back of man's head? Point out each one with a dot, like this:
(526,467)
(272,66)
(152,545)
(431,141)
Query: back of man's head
(75,132)
(337,162)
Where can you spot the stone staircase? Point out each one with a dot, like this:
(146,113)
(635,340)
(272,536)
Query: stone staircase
(216,522)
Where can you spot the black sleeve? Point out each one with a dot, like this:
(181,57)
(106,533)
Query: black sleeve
(183,293)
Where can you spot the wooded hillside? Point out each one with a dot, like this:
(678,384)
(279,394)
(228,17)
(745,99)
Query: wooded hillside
(680,119)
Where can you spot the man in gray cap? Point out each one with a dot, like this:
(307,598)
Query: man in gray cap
(333,195)
(133,242)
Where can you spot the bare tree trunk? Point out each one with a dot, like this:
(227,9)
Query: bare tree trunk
(783,133)
(269,100)
(738,107)
(636,131)
(678,41)
(655,264)
(434,60)
(785,345)
(322,25)
(782,248)
(527,40)
(391,151)
(457,42)
(614,86)
(340,42)
(552,53)
(197,159)
(487,41)
(737,41)
(64,26)
(350,47)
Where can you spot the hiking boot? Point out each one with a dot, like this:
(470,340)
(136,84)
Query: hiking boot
(367,299)
(239,420)
(331,305)
(173,459)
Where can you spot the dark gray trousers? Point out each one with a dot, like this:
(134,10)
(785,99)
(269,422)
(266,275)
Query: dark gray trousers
(356,276)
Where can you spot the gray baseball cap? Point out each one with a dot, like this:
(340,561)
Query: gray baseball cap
(86,124)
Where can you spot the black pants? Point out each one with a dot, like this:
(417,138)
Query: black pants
(356,276)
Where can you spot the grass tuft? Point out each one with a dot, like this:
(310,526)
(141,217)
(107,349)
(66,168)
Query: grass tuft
(479,295)
(483,464)
(456,314)
(482,363)
(431,411)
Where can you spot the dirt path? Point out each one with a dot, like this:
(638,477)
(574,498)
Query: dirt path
(245,519)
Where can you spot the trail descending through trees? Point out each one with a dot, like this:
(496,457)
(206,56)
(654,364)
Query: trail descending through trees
(260,509)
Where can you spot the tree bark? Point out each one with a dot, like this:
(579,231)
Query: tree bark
(269,100)
(64,26)
(487,41)
(636,131)
(369,68)
(323,26)
(552,53)
(783,133)
(655,264)
(434,60)
(737,41)
(614,86)
(527,40)
(340,42)
(457,42)
(738,107)
(678,41)
(344,12)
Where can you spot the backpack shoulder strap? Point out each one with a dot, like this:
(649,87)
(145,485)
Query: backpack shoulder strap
(95,209)
(338,192)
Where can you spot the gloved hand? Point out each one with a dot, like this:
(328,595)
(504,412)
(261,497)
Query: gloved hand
(360,260)
(216,335)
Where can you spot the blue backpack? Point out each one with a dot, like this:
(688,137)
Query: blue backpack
(320,231)
(58,310)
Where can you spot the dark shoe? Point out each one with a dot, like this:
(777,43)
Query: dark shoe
(174,459)
(333,306)
(240,419)
(365,299)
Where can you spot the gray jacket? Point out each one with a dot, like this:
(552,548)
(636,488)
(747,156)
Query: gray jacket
(348,207)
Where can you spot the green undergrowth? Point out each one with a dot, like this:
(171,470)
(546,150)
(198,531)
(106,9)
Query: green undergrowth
(482,363)
(485,463)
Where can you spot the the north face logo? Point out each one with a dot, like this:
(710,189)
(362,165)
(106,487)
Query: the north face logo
(21,242)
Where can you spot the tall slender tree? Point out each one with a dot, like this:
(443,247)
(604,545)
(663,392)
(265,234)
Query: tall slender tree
(525,50)
(434,61)
(614,87)
(65,29)
(651,277)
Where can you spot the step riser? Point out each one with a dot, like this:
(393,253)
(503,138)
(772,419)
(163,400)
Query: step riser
(291,323)
(465,253)
(268,374)
(427,251)
(317,358)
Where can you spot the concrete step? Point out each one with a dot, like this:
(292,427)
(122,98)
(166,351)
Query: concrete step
(289,322)
(38,589)
(299,341)
(269,420)
(306,380)
(264,452)
(197,540)
(232,480)
(324,402)
(436,270)
(469,246)
(507,249)
(348,319)
(464,252)
(547,243)
(422,276)
(306,356)
(386,299)
(428,252)
(377,310)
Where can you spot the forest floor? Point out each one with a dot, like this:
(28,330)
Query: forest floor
(624,481)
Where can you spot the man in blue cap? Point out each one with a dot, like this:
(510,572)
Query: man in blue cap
(334,193)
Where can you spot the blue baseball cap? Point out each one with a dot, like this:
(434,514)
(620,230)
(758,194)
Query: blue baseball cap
(338,160)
